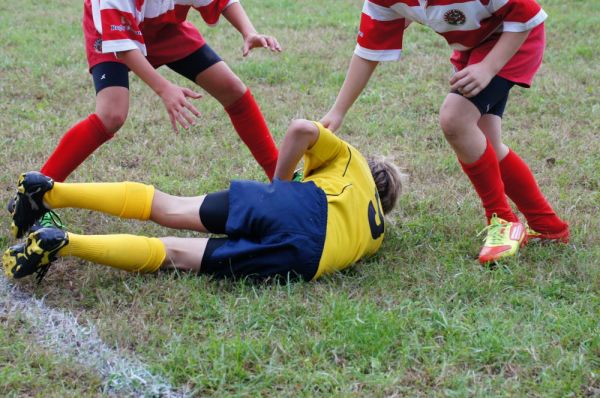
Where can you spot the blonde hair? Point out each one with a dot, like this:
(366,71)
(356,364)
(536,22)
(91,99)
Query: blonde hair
(388,180)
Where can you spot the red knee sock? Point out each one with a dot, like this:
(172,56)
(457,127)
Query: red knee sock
(75,146)
(250,125)
(485,177)
(521,188)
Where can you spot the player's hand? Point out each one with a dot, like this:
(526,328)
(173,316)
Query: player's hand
(180,110)
(255,40)
(332,120)
(471,80)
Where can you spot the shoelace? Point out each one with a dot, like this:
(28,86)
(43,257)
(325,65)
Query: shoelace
(51,219)
(494,232)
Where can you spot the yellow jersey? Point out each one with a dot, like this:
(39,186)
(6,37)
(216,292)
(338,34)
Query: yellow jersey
(355,225)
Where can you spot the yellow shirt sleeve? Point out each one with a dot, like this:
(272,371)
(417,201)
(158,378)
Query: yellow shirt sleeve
(327,148)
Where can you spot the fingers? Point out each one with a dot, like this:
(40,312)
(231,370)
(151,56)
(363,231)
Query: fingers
(458,85)
(245,49)
(273,44)
(192,109)
(173,122)
(190,93)
(263,42)
(457,76)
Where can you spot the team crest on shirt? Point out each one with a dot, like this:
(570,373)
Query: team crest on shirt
(455,17)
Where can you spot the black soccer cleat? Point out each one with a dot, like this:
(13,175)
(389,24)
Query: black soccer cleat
(35,255)
(10,206)
(29,202)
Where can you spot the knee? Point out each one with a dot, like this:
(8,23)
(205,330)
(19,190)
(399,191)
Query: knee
(231,89)
(451,123)
(113,119)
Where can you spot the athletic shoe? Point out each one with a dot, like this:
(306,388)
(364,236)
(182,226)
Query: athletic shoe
(35,255)
(29,203)
(51,220)
(560,237)
(503,240)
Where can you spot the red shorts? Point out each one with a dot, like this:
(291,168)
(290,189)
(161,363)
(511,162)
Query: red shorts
(164,43)
(521,68)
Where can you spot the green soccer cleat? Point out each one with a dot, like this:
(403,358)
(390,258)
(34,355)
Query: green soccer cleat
(503,240)
(29,202)
(35,255)
(298,175)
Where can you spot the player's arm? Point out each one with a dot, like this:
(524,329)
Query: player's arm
(474,78)
(359,73)
(236,15)
(180,110)
(300,136)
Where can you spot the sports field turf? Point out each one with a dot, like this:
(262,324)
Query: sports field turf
(421,318)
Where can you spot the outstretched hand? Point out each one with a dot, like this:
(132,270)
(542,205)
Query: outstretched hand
(180,110)
(257,40)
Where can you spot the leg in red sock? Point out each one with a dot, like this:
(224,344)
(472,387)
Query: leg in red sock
(75,146)
(458,119)
(521,187)
(112,106)
(246,117)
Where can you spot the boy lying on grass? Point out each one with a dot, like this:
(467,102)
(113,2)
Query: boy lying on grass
(325,223)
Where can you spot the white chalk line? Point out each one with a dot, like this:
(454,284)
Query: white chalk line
(60,333)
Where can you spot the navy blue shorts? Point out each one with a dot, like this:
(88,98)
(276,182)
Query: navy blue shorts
(116,74)
(273,230)
(492,99)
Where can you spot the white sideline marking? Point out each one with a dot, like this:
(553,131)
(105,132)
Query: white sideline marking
(60,333)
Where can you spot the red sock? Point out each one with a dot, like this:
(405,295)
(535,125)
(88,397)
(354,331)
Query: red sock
(520,186)
(485,177)
(75,146)
(250,125)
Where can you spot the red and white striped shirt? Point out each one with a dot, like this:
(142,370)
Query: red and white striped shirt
(122,22)
(465,24)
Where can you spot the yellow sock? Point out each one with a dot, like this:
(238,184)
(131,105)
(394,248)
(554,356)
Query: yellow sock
(127,252)
(122,199)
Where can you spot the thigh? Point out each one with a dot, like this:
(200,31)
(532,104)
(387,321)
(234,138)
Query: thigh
(214,212)
(110,74)
(195,63)
(221,83)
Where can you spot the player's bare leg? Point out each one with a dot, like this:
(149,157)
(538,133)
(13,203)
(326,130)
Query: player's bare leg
(177,212)
(112,107)
(458,120)
(491,125)
(244,112)
(221,83)
(184,254)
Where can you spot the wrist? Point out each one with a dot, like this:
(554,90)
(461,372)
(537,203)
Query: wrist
(248,33)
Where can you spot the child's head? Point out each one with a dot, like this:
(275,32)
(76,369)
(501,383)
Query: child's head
(388,180)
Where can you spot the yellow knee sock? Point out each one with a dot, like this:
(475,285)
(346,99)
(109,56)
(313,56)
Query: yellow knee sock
(122,199)
(127,252)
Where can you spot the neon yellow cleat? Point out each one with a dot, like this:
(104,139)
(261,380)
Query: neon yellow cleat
(503,240)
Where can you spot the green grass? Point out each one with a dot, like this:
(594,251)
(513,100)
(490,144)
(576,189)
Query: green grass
(421,318)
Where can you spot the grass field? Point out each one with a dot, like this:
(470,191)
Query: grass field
(421,318)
